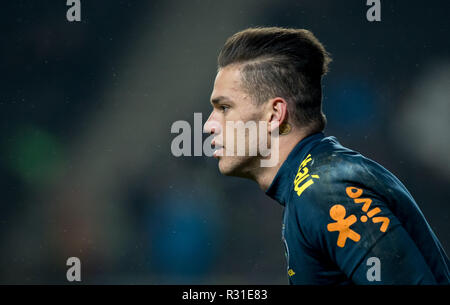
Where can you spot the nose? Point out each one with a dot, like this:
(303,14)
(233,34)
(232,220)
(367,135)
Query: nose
(211,125)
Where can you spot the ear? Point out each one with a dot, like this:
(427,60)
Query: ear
(277,112)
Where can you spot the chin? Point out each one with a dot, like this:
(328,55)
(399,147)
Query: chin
(224,168)
(232,166)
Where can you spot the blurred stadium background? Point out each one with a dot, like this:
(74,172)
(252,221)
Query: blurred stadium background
(86,109)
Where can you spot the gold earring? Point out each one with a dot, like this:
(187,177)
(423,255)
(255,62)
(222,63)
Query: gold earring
(285,128)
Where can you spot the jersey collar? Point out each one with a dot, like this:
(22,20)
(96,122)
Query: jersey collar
(281,185)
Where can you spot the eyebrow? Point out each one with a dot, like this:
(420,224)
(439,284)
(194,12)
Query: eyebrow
(219,99)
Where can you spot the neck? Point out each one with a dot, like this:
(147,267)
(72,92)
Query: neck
(265,175)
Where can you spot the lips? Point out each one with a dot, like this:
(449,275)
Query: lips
(216,143)
(219,148)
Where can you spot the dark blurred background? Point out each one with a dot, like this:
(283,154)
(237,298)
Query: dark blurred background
(86,108)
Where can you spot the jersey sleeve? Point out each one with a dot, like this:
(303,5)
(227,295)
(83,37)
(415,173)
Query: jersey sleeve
(344,219)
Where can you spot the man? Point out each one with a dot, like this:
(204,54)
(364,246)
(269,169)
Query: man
(346,219)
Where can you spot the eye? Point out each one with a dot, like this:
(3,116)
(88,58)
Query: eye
(224,108)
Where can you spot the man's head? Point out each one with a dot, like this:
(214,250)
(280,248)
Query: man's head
(267,74)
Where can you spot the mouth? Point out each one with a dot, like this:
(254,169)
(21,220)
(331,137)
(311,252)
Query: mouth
(218,153)
(219,149)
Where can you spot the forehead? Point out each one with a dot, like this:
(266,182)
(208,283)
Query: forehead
(228,83)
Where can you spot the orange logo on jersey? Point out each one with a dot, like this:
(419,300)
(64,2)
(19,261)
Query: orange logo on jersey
(342,224)
(355,193)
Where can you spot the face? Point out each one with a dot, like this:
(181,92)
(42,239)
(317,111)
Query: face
(232,104)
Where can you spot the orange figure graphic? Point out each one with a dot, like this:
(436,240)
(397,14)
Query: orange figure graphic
(342,224)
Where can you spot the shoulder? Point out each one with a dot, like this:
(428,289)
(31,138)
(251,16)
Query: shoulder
(326,168)
(330,166)
(334,183)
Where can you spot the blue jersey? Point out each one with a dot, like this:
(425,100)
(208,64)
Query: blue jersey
(348,220)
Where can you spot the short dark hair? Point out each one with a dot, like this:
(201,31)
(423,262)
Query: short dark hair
(281,62)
